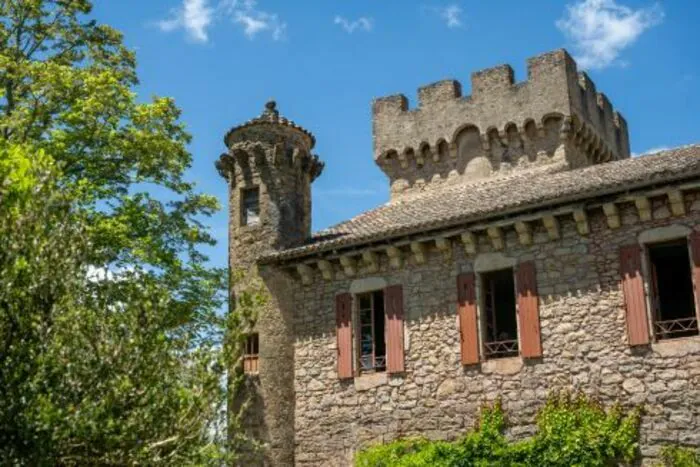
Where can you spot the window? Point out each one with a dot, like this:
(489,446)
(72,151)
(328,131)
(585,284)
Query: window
(250,206)
(671,290)
(370,335)
(499,317)
(250,354)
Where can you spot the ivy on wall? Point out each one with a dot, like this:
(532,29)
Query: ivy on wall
(572,430)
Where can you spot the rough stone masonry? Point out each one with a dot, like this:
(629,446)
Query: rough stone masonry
(523,251)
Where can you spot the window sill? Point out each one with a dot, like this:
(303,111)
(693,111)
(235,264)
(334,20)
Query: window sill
(679,347)
(502,366)
(369,381)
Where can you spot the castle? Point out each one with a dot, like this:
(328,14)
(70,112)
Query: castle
(523,250)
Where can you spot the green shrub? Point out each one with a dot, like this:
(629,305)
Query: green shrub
(572,431)
(676,456)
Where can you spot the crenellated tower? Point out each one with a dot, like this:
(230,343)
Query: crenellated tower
(269,168)
(555,118)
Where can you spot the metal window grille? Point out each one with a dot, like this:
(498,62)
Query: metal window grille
(250,357)
(369,359)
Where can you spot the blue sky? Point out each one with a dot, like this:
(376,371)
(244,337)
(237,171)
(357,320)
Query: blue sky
(324,61)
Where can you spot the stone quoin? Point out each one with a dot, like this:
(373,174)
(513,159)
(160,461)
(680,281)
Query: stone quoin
(523,251)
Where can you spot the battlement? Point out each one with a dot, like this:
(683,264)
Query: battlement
(556,106)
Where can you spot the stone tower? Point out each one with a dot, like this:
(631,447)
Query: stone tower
(269,168)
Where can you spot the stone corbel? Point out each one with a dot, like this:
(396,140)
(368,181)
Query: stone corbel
(496,236)
(402,160)
(371,260)
(445,246)
(581,219)
(613,215)
(326,269)
(565,131)
(540,130)
(278,154)
(453,150)
(418,250)
(524,232)
(395,257)
(552,225)
(675,199)
(349,265)
(485,142)
(643,208)
(306,273)
(469,242)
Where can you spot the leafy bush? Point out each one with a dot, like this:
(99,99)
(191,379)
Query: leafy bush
(572,431)
(676,456)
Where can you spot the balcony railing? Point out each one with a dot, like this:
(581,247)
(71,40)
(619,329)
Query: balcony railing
(370,362)
(499,349)
(676,328)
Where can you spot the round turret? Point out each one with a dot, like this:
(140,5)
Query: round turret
(270,168)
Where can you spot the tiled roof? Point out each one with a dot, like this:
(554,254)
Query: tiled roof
(453,204)
(270,116)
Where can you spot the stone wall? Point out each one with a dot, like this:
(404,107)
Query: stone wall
(501,126)
(583,339)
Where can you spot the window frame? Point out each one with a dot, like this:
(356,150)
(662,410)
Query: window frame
(357,334)
(251,354)
(650,287)
(502,349)
(244,219)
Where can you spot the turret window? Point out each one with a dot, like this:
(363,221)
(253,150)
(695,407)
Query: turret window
(250,206)
(250,354)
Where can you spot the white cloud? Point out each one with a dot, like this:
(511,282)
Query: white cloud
(362,23)
(452,14)
(601,29)
(246,14)
(195,17)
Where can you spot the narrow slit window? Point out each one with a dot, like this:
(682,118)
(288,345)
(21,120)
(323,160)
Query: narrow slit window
(500,320)
(250,355)
(250,206)
(370,336)
(672,290)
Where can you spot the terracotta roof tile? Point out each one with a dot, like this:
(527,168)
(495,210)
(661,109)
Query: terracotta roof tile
(456,203)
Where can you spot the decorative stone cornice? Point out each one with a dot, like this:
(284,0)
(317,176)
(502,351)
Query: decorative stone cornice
(420,247)
(613,215)
(524,232)
(643,208)
(552,225)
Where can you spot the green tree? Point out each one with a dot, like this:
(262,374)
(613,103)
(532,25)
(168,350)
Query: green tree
(110,335)
(93,370)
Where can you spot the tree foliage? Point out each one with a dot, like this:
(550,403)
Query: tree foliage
(571,431)
(111,336)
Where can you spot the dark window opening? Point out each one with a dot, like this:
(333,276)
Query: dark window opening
(250,206)
(501,328)
(250,354)
(371,345)
(672,291)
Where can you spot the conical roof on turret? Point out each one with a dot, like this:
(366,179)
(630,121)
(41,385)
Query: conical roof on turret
(270,116)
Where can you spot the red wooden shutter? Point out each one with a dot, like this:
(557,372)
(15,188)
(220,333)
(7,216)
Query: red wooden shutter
(695,252)
(528,311)
(633,291)
(343,330)
(393,297)
(466,309)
